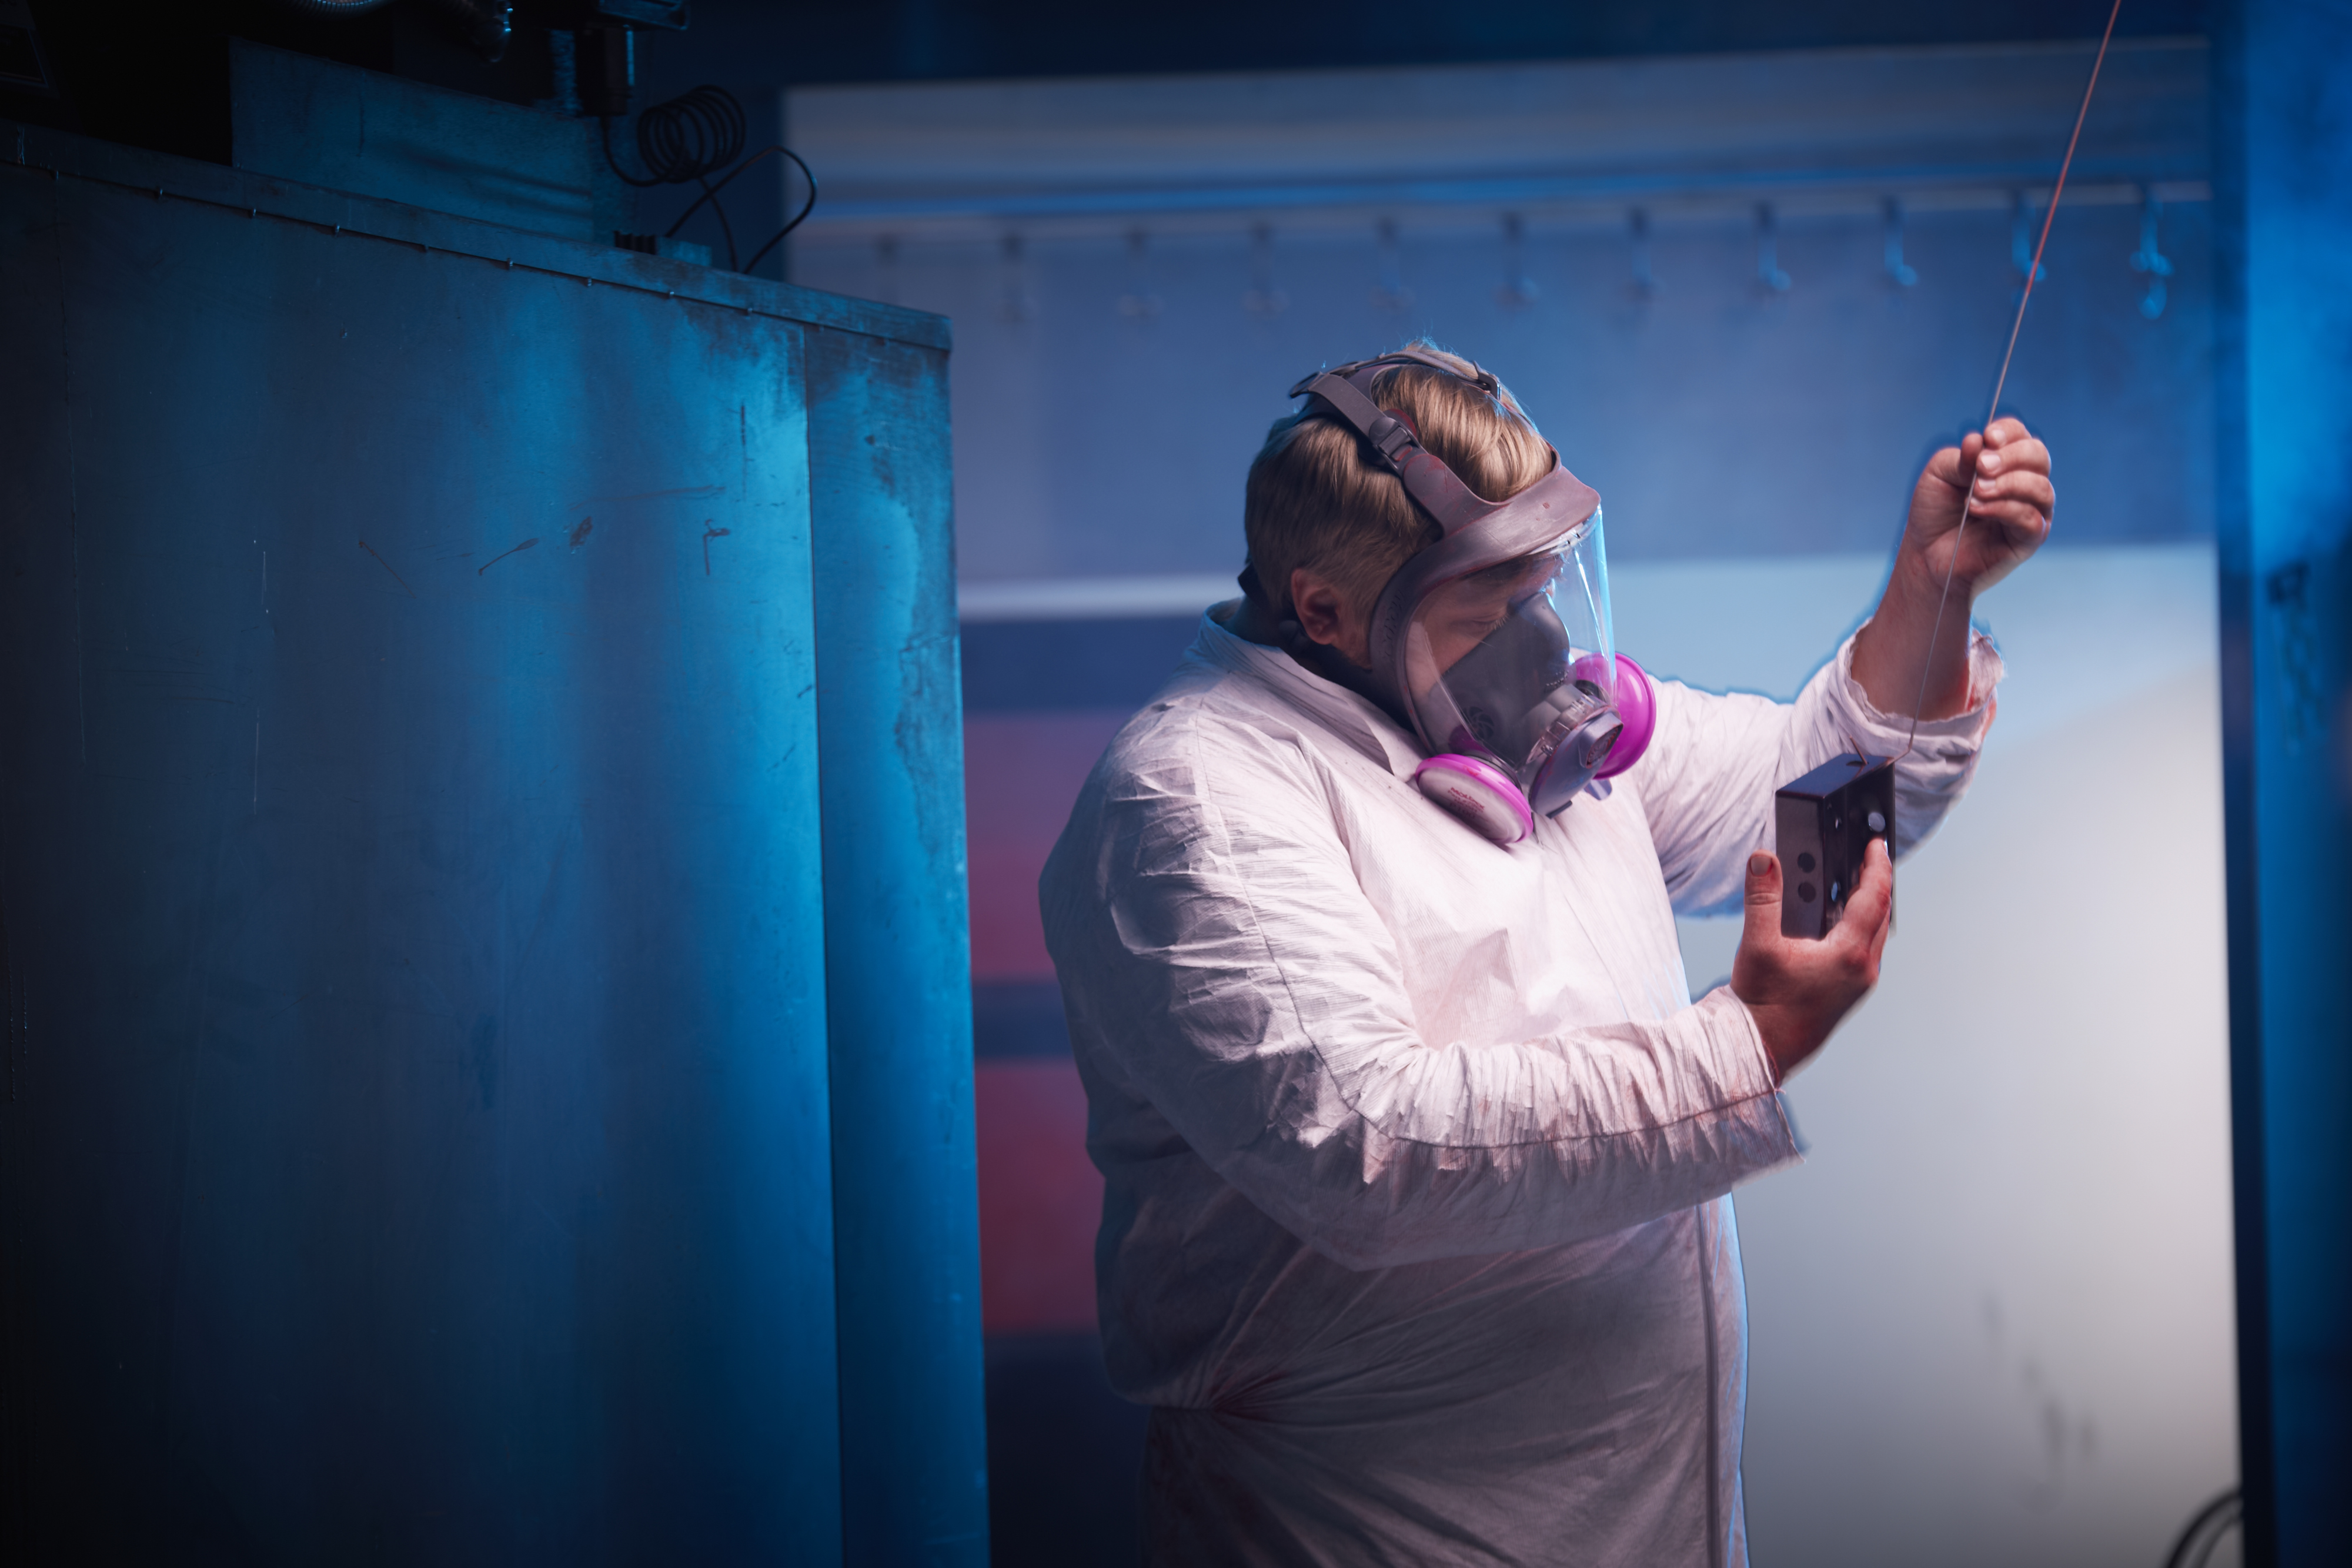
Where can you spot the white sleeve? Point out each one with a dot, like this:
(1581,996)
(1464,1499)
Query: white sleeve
(1207,925)
(1707,780)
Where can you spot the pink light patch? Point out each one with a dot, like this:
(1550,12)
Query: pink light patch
(1040,1198)
(1021,774)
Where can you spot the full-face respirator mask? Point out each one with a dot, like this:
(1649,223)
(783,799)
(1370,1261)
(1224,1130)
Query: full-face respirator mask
(1495,642)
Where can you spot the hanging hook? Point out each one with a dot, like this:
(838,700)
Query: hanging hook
(886,270)
(1138,303)
(1767,250)
(1517,290)
(2020,240)
(1016,303)
(1645,284)
(1390,294)
(1263,300)
(1898,272)
(2147,259)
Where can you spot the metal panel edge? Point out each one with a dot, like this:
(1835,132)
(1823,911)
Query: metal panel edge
(64,155)
(897,964)
(2285,565)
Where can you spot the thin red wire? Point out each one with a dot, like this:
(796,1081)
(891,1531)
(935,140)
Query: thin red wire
(1968,496)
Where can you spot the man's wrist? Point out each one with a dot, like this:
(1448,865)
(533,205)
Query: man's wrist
(1919,587)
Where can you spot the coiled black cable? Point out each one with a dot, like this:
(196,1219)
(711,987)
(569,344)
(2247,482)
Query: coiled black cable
(693,135)
(690,138)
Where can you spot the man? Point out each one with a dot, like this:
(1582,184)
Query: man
(1416,1231)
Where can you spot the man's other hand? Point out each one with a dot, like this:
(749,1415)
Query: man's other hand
(1798,989)
(2003,478)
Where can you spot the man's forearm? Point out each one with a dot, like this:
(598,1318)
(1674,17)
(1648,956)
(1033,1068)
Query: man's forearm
(1890,653)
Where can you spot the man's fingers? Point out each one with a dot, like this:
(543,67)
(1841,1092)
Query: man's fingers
(1874,894)
(2023,456)
(1763,896)
(2020,487)
(1950,467)
(1886,919)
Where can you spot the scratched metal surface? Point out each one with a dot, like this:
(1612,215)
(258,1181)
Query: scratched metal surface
(897,958)
(415,1133)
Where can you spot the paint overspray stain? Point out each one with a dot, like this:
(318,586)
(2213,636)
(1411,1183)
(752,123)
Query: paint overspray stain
(501,556)
(690,492)
(580,532)
(709,533)
(387,566)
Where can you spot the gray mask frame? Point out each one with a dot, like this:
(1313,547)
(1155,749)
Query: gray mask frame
(1477,533)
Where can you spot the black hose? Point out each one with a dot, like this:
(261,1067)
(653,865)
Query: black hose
(710,193)
(798,218)
(2195,1547)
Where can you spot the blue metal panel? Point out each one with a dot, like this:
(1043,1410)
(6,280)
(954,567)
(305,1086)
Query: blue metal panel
(897,963)
(2282,178)
(415,1137)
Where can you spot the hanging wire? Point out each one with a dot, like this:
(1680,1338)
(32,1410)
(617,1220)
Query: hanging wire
(2031,268)
(687,138)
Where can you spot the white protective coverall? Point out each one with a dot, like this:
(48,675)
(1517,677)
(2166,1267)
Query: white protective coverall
(1416,1233)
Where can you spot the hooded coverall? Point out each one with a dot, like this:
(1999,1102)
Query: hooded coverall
(1416,1230)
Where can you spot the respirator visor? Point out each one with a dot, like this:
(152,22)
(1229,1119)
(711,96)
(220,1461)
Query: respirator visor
(1515,664)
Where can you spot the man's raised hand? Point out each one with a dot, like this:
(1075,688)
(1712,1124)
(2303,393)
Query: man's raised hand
(2003,476)
(1798,989)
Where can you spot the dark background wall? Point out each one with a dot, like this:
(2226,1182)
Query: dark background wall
(923,41)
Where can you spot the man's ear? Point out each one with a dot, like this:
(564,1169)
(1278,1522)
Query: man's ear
(1316,602)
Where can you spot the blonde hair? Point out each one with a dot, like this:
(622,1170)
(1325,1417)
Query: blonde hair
(1318,498)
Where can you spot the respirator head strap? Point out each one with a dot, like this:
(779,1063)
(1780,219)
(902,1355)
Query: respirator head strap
(1476,532)
(1435,488)
(1558,512)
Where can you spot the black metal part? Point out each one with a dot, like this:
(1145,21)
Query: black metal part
(666,13)
(604,71)
(1825,822)
(23,64)
(662,244)
(486,26)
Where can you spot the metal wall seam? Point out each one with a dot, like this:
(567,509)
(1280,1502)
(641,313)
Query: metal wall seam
(897,965)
